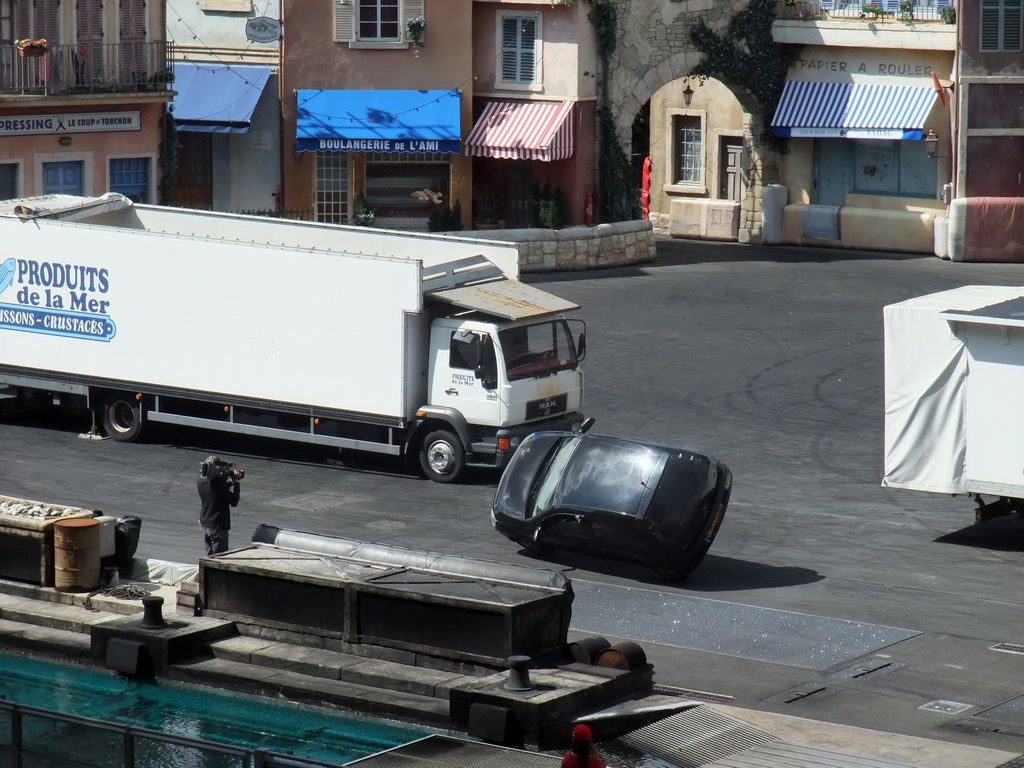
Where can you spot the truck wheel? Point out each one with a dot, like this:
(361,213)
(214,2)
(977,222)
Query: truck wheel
(122,418)
(442,458)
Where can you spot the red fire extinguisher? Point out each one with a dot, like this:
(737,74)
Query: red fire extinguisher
(590,208)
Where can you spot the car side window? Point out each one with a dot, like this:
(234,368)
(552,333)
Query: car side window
(465,353)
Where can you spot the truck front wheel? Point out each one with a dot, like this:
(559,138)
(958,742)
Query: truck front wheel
(122,418)
(442,457)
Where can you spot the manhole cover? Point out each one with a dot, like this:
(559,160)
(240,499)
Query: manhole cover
(1007,648)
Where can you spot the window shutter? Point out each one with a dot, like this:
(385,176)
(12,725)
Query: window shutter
(509,49)
(133,21)
(1012,18)
(46,20)
(90,21)
(989,25)
(22,20)
(528,50)
(344,21)
(410,10)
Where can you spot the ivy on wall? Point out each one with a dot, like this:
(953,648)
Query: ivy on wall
(618,197)
(747,56)
(168,158)
(604,19)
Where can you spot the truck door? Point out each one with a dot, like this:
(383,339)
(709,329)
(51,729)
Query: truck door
(466,377)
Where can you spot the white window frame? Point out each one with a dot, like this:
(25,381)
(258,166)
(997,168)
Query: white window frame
(346,25)
(699,186)
(340,161)
(993,20)
(538,46)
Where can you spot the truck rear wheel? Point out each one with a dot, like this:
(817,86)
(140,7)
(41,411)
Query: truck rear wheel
(122,418)
(442,457)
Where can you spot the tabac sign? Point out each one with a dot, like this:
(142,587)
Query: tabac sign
(75,122)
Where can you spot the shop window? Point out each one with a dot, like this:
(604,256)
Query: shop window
(331,200)
(402,188)
(899,168)
(8,181)
(1002,25)
(519,38)
(688,149)
(130,177)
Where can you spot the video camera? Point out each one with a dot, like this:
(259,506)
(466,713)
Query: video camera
(214,470)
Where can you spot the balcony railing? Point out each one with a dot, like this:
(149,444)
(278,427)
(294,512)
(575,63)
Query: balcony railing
(852,10)
(85,68)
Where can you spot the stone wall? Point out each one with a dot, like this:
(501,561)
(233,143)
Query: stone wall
(560,250)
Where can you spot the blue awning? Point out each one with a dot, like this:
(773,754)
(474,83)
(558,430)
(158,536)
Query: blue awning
(215,98)
(378,121)
(852,110)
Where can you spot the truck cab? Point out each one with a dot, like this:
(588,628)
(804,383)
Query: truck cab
(491,382)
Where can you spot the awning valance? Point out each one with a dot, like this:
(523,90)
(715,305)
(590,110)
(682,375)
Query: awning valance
(217,98)
(378,121)
(852,110)
(523,130)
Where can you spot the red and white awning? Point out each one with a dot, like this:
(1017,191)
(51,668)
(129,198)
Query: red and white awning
(523,130)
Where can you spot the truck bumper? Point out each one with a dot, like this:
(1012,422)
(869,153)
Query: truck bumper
(490,451)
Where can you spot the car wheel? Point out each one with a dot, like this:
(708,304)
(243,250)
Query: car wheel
(442,457)
(122,418)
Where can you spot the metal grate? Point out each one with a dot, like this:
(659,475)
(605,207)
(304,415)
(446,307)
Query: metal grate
(696,737)
(1007,648)
(783,755)
(688,693)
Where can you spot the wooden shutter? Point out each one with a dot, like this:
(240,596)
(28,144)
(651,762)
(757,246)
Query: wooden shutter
(410,10)
(131,36)
(89,54)
(1013,12)
(527,50)
(344,21)
(518,49)
(46,20)
(22,19)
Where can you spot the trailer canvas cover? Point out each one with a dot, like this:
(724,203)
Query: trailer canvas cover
(926,367)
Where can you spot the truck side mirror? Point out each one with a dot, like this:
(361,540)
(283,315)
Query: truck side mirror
(487,370)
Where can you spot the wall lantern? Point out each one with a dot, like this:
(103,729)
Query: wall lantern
(931,144)
(64,141)
(687,95)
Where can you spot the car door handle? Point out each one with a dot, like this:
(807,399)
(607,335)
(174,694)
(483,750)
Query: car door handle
(451,391)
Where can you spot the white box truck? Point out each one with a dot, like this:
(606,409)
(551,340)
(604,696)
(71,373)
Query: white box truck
(954,371)
(400,343)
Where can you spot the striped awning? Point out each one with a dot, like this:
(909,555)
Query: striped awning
(852,110)
(523,130)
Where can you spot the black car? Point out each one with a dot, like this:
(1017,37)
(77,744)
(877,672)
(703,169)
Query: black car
(629,499)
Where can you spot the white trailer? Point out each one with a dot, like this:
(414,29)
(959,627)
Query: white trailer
(400,343)
(954,371)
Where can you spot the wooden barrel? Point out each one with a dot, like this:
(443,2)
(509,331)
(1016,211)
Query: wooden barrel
(585,651)
(625,655)
(76,554)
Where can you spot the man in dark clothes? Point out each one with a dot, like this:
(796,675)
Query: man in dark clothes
(219,490)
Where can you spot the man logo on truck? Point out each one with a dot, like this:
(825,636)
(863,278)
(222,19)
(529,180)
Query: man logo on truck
(56,299)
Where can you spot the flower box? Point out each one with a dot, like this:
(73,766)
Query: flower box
(31,48)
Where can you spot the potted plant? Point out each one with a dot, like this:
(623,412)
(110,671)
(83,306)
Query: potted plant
(362,214)
(415,28)
(872,10)
(28,48)
(948,14)
(906,10)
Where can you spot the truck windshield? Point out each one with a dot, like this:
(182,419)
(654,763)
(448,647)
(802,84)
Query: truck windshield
(539,349)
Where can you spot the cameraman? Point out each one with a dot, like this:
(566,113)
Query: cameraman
(219,490)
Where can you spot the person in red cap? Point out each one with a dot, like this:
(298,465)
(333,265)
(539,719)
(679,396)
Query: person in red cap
(582,754)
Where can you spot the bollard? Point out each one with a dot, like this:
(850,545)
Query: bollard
(518,674)
(152,612)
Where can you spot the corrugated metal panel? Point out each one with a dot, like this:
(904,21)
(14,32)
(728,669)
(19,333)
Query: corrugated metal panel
(509,299)
(782,755)
(694,738)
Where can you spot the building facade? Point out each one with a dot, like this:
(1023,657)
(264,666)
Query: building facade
(226,108)
(408,112)
(83,87)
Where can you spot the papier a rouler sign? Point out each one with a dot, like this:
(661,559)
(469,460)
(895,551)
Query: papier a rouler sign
(263,29)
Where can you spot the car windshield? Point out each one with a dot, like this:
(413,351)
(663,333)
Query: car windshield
(585,474)
(531,350)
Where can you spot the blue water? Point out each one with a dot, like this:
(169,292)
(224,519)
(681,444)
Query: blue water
(232,719)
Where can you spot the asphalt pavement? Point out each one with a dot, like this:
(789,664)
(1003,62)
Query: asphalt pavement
(825,597)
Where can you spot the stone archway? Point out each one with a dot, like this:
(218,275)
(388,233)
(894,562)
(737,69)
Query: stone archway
(653,50)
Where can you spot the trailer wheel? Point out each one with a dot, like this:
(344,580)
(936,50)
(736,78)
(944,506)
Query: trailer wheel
(122,418)
(442,458)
